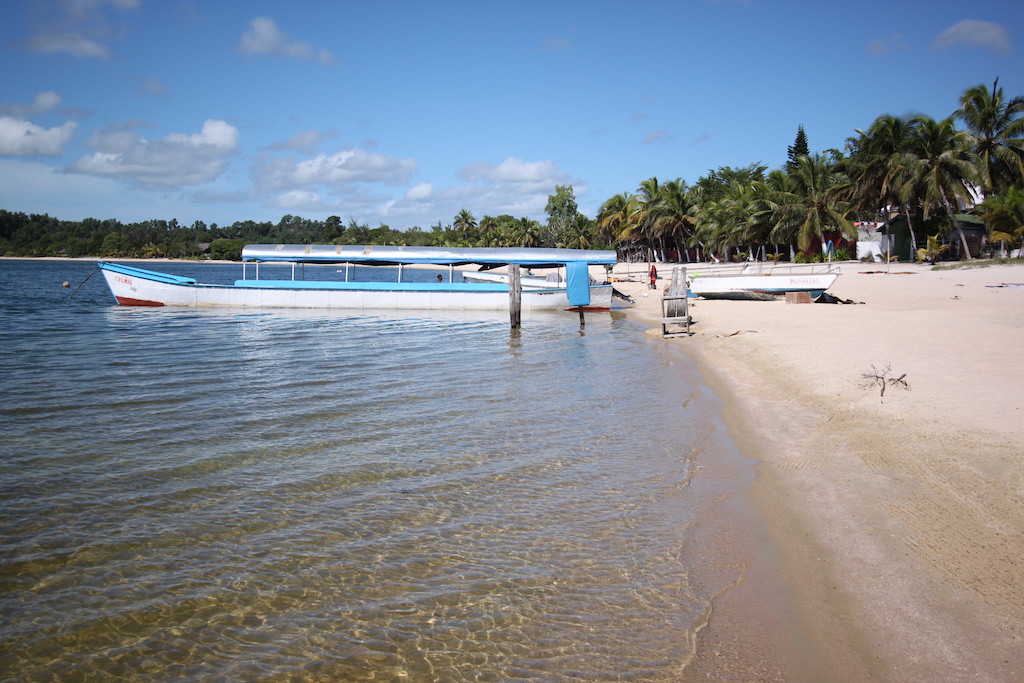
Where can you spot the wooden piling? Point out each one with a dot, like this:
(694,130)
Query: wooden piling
(515,296)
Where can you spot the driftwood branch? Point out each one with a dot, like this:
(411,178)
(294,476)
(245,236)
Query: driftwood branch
(881,379)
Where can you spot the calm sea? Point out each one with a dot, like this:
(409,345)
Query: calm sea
(301,495)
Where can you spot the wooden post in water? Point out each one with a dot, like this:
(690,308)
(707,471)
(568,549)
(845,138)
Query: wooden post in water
(515,293)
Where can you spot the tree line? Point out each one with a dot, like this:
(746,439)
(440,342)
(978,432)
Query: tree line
(915,169)
(45,236)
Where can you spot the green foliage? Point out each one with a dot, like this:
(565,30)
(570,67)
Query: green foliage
(41,235)
(562,211)
(918,168)
(995,125)
(717,183)
(224,249)
(933,250)
(842,254)
(798,149)
(1003,214)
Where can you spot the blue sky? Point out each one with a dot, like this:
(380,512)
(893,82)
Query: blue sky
(404,113)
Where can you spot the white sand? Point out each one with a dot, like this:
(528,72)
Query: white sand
(899,519)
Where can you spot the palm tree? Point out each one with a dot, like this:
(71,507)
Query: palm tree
(671,216)
(1004,215)
(464,221)
(723,221)
(578,234)
(996,126)
(617,219)
(764,205)
(883,165)
(488,225)
(648,197)
(724,207)
(524,233)
(814,204)
(944,170)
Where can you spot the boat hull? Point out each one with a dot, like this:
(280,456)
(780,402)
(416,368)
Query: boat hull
(759,287)
(137,287)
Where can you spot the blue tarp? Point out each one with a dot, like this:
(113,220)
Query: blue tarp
(577,283)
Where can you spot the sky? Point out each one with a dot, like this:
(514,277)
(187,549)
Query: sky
(405,113)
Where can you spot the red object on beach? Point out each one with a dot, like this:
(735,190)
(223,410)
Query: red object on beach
(654,276)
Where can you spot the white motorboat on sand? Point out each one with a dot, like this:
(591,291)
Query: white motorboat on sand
(765,286)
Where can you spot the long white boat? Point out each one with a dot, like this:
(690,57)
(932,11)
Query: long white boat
(759,287)
(133,286)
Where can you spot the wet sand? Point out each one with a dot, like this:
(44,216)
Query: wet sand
(894,524)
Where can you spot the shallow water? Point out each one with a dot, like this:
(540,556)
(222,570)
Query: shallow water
(244,495)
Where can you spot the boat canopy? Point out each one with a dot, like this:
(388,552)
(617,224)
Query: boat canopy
(442,256)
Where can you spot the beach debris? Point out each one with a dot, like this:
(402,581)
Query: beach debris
(881,379)
(733,334)
(827,298)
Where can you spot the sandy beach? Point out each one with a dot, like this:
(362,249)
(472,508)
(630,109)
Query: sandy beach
(898,518)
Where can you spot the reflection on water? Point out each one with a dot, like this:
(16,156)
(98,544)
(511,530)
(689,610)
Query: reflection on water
(297,494)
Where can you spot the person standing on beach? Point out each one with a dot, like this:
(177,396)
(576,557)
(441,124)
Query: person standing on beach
(654,276)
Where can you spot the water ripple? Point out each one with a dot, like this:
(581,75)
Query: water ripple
(230,495)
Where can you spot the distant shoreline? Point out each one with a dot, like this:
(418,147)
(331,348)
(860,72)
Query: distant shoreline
(110,258)
(155,261)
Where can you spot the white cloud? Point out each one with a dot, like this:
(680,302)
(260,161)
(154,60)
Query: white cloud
(657,137)
(298,200)
(514,186)
(81,30)
(150,86)
(512,170)
(265,38)
(174,161)
(557,43)
(43,102)
(304,141)
(352,165)
(975,33)
(419,192)
(19,137)
(883,46)
(74,44)
(700,139)
(80,10)
(215,133)
(35,187)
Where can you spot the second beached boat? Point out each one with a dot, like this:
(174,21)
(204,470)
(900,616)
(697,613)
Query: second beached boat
(759,287)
